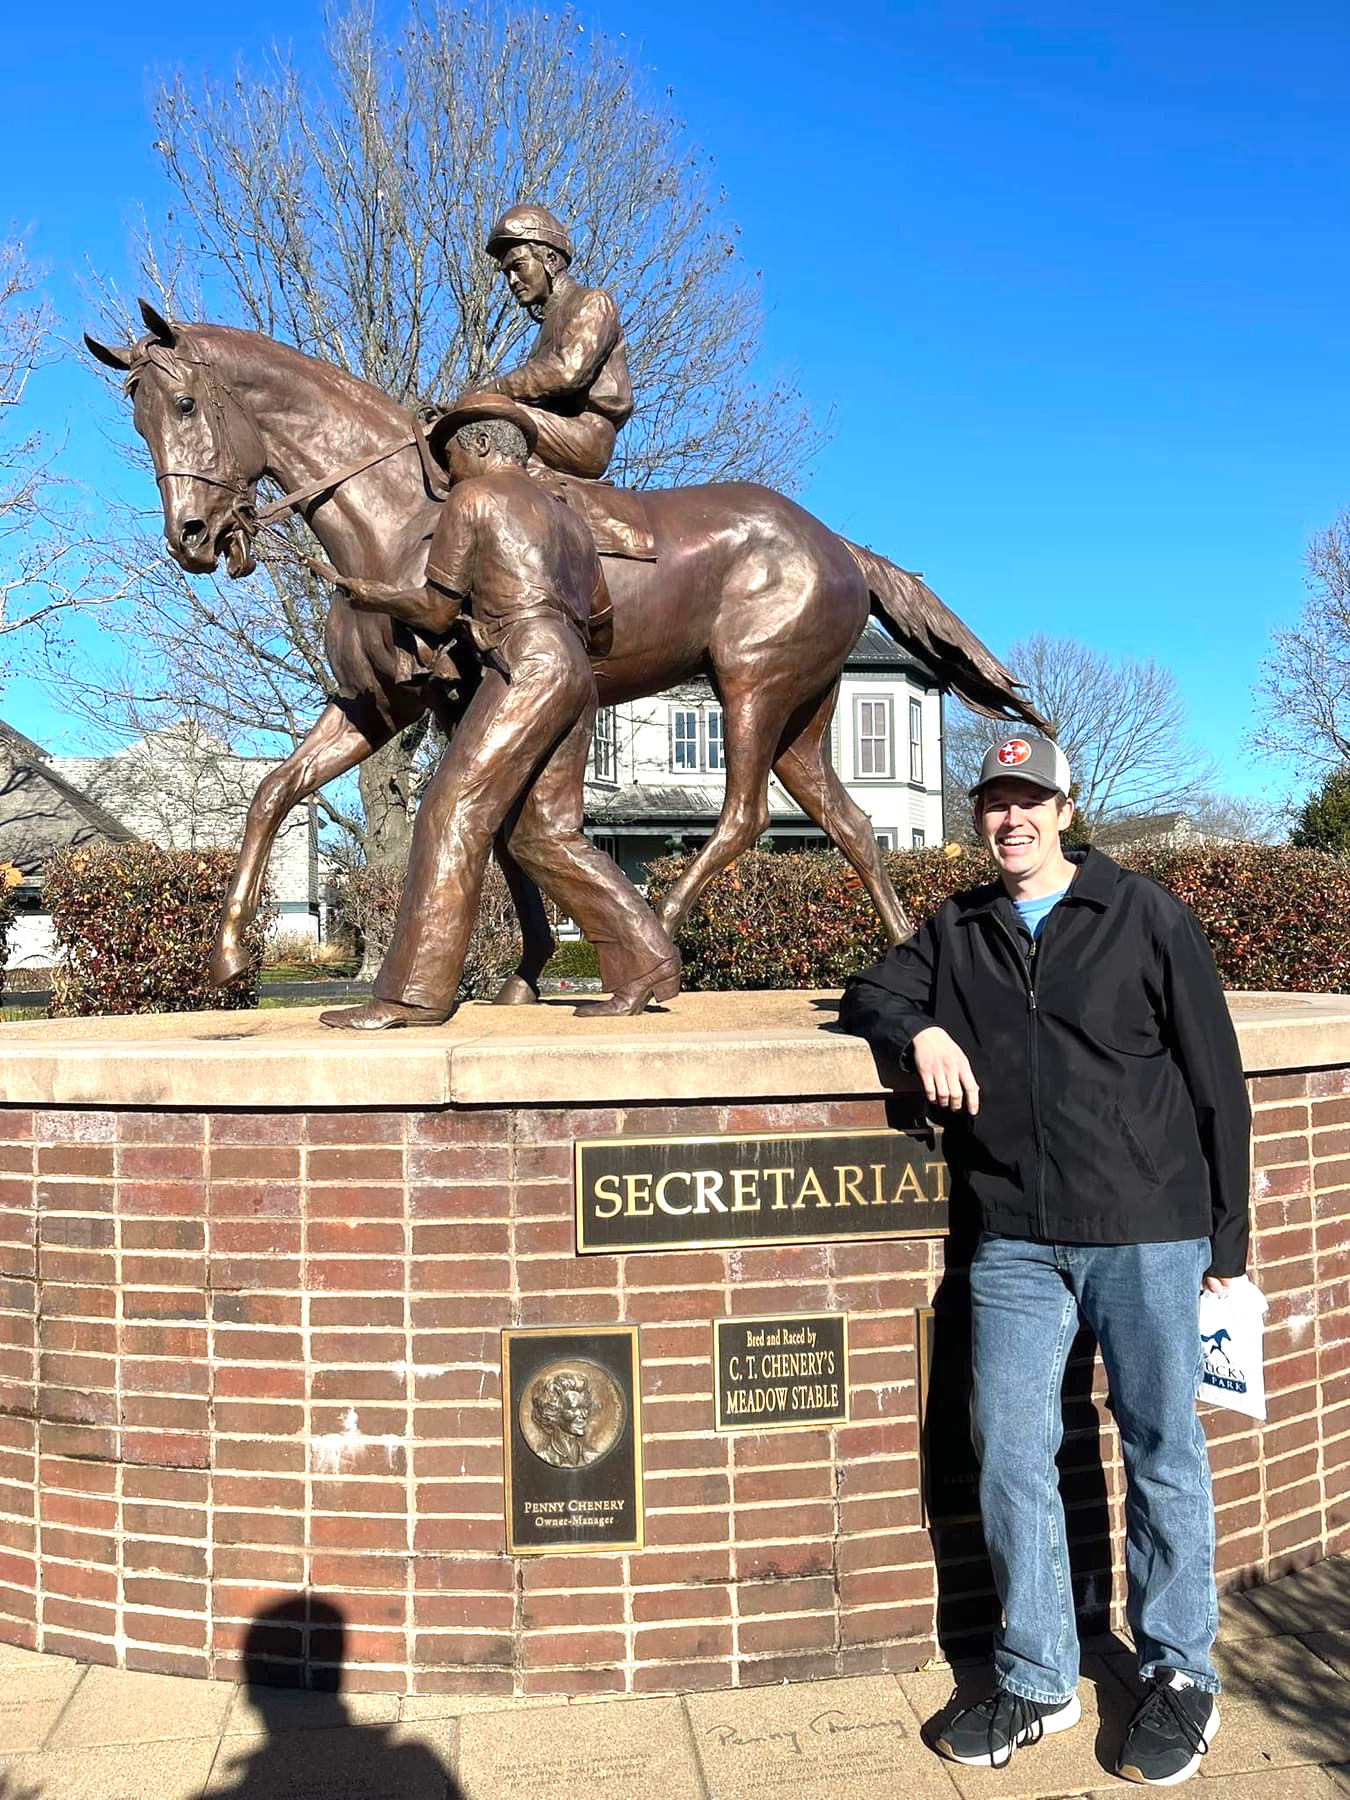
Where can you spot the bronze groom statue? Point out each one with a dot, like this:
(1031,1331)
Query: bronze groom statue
(520,570)
(575,379)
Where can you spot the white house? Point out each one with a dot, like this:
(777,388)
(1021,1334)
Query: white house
(180,787)
(657,766)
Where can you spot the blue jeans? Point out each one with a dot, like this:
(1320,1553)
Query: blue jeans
(1142,1303)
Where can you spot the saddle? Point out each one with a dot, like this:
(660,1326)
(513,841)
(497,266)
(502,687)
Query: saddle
(615,516)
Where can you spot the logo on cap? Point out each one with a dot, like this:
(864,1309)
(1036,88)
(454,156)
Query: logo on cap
(1015,751)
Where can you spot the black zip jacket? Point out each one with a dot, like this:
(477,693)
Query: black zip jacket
(1113,1108)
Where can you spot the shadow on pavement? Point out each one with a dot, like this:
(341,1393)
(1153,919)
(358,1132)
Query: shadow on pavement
(11,1788)
(309,1747)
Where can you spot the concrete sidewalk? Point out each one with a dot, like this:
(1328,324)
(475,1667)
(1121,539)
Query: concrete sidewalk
(72,1732)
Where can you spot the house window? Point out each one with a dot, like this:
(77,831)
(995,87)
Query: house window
(873,718)
(885,839)
(916,840)
(713,721)
(604,750)
(684,738)
(915,741)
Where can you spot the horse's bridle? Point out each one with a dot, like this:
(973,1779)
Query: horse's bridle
(244,513)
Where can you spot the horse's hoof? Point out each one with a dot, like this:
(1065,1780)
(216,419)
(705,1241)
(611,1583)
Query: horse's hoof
(633,997)
(383,1015)
(228,962)
(516,991)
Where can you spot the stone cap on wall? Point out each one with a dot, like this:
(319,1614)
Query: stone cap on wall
(701,1046)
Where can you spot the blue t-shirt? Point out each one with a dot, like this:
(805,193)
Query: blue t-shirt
(1034,913)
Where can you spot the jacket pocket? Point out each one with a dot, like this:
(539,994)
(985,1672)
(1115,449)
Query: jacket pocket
(1139,1154)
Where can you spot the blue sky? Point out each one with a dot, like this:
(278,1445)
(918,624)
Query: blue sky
(1070,278)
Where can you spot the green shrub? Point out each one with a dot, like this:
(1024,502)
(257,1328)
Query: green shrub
(573,960)
(780,920)
(368,898)
(1276,917)
(1323,820)
(134,925)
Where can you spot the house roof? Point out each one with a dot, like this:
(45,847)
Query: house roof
(877,649)
(42,812)
(1143,828)
(646,803)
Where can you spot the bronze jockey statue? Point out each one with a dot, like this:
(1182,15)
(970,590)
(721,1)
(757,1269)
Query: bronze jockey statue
(516,567)
(575,379)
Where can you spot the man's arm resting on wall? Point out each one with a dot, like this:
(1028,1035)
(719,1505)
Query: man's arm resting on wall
(891,1006)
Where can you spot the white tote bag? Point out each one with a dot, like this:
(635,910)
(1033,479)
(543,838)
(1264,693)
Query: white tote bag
(1230,1338)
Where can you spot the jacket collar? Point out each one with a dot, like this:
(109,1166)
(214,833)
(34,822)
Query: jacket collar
(1094,885)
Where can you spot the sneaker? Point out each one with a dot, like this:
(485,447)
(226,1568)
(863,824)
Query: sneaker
(987,1734)
(1172,1729)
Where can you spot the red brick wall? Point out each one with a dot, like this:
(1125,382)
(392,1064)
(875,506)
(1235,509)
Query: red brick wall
(245,1355)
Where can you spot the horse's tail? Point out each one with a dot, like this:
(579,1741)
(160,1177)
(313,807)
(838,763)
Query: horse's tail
(915,616)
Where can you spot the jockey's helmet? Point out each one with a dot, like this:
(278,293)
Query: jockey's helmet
(528,225)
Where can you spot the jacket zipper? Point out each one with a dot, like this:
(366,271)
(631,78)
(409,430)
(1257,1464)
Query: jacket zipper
(1027,965)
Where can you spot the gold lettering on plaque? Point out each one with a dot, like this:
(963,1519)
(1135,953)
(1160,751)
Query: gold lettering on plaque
(849,1178)
(778,1177)
(668,1206)
(810,1185)
(744,1181)
(607,1188)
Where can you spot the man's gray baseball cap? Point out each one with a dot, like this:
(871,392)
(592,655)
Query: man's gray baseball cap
(1036,760)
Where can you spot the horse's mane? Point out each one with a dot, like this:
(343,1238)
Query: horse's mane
(235,341)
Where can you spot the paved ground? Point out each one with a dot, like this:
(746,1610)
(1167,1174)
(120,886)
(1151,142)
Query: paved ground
(70,1732)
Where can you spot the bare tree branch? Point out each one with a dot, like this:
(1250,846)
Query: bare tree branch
(49,561)
(1121,723)
(346,210)
(1305,681)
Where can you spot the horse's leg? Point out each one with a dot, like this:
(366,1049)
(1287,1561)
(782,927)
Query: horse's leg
(752,721)
(344,734)
(537,941)
(803,767)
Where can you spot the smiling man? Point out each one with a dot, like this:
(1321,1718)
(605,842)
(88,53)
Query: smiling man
(1070,1019)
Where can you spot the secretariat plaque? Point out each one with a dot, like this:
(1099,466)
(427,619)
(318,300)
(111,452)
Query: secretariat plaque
(700,1193)
(776,1373)
(572,1433)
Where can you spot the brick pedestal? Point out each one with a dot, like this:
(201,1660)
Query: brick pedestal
(250,1347)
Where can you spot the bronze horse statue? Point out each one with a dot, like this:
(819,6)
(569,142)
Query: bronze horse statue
(747,589)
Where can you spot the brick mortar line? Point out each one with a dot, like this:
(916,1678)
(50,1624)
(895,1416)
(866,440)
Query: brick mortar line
(410,1473)
(514,1304)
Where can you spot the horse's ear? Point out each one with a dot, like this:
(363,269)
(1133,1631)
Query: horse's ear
(110,358)
(157,325)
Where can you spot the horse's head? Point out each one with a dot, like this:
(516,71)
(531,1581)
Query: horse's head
(206,449)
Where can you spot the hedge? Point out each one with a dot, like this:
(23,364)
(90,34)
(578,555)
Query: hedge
(134,925)
(1275,917)
(368,898)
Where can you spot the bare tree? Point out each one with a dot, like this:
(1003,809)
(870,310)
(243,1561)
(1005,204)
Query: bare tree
(46,554)
(346,211)
(1305,683)
(1121,723)
(1236,818)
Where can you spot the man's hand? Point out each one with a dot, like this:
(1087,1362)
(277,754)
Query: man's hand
(1217,1284)
(945,1071)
